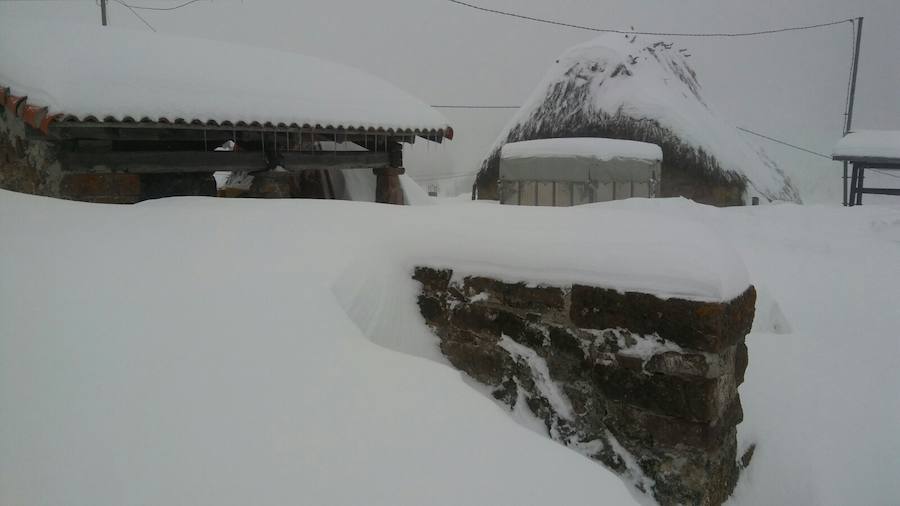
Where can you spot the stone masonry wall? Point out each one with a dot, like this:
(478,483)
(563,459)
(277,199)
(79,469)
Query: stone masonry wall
(644,385)
(29,164)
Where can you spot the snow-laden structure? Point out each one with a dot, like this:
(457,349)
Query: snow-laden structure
(123,116)
(575,170)
(629,88)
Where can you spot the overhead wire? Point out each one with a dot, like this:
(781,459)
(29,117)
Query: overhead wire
(638,32)
(747,130)
(120,2)
(144,8)
(476,106)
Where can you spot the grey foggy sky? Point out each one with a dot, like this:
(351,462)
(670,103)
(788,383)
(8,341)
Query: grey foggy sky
(790,85)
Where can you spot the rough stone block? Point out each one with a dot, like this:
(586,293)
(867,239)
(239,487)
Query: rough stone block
(434,280)
(657,431)
(487,364)
(432,309)
(741,359)
(116,188)
(516,295)
(674,411)
(674,363)
(705,326)
(700,399)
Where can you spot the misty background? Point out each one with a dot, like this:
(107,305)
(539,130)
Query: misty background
(791,86)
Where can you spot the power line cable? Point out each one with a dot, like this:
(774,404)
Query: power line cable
(446,176)
(143,8)
(635,32)
(783,143)
(883,173)
(476,106)
(136,14)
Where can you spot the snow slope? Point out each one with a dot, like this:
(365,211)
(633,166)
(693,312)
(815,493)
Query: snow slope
(209,351)
(212,351)
(158,75)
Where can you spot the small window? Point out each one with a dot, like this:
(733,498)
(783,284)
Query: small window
(581,194)
(563,194)
(623,190)
(545,194)
(509,192)
(603,192)
(642,190)
(527,193)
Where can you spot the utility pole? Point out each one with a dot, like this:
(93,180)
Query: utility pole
(103,12)
(848,123)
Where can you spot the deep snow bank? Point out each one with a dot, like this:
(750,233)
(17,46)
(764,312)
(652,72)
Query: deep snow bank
(199,350)
(193,350)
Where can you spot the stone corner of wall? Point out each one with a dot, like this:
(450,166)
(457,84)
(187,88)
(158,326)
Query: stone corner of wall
(609,373)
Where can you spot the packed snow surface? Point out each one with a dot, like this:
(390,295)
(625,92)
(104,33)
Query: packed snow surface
(869,144)
(216,352)
(582,147)
(90,70)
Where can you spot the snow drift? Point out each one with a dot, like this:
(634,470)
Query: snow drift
(215,351)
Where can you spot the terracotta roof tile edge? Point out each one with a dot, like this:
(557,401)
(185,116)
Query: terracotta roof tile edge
(40,119)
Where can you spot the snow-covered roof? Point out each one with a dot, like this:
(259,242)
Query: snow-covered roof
(582,147)
(869,144)
(86,72)
(638,86)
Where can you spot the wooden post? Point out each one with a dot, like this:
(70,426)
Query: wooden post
(387,184)
(103,12)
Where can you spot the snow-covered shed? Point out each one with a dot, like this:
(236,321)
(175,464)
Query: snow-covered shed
(867,149)
(571,171)
(630,88)
(106,114)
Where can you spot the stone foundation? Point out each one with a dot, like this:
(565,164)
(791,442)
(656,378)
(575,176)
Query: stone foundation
(29,164)
(647,386)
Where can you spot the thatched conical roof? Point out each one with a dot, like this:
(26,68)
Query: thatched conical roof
(627,88)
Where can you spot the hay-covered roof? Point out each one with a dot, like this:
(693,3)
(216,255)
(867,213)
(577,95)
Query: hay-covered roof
(630,88)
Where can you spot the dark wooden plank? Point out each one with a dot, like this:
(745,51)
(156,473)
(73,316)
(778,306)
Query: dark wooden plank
(159,162)
(881,191)
(322,160)
(210,138)
(870,161)
(121,130)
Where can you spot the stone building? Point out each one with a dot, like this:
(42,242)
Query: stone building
(627,88)
(124,116)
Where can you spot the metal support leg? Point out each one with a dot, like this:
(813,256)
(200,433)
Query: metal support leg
(845,184)
(859,189)
(853,177)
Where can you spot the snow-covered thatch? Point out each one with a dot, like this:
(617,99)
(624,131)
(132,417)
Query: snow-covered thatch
(628,88)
